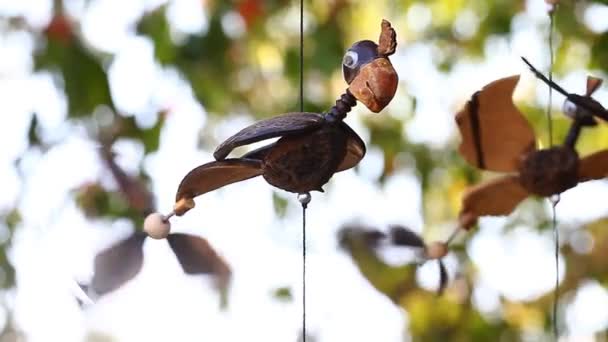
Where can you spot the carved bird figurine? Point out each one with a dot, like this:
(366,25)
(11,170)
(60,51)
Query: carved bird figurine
(312,146)
(364,245)
(497,137)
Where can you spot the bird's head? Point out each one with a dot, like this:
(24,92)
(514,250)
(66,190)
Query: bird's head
(368,71)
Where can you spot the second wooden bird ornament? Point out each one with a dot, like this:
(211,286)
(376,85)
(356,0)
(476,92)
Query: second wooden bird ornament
(497,137)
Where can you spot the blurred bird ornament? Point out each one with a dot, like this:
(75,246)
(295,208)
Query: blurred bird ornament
(364,245)
(121,262)
(312,146)
(436,250)
(497,137)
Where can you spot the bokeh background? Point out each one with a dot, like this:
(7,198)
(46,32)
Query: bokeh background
(167,80)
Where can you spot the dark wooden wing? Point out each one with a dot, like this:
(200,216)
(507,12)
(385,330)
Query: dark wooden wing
(355,149)
(594,166)
(401,236)
(282,125)
(133,189)
(499,196)
(259,153)
(494,132)
(196,255)
(217,174)
(118,264)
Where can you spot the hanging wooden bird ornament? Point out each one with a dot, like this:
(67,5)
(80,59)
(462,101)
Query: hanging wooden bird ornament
(364,243)
(497,137)
(312,147)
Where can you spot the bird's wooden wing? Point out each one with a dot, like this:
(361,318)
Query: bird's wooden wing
(259,153)
(594,166)
(282,125)
(216,174)
(132,188)
(355,149)
(499,196)
(494,132)
(118,264)
(402,236)
(196,255)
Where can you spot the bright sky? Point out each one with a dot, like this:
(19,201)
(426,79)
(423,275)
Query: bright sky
(56,244)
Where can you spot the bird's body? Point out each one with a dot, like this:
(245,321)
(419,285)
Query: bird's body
(549,171)
(304,163)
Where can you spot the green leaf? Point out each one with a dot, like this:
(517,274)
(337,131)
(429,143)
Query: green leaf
(85,81)
(155,26)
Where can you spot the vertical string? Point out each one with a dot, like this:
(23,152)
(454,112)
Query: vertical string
(549,115)
(304,272)
(554,202)
(301,55)
(554,199)
(304,201)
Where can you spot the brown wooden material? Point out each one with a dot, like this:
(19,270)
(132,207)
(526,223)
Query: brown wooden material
(214,175)
(466,220)
(312,147)
(375,85)
(594,166)
(196,256)
(118,264)
(282,125)
(550,171)
(355,149)
(183,205)
(402,236)
(134,191)
(387,43)
(306,162)
(503,134)
(496,197)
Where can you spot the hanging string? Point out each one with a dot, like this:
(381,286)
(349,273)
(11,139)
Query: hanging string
(304,272)
(301,55)
(551,61)
(554,199)
(303,198)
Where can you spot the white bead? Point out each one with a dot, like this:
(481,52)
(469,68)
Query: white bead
(304,198)
(156,226)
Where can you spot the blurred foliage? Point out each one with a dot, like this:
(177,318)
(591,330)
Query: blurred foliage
(255,69)
(283,294)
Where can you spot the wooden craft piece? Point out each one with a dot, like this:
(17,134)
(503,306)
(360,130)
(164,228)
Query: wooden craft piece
(121,262)
(311,147)
(495,136)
